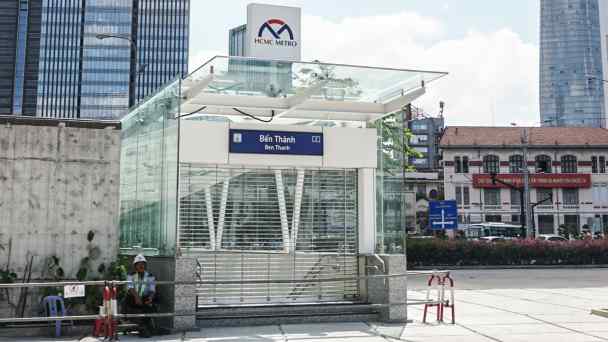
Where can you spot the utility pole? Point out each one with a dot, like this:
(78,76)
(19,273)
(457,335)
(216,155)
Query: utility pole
(526,175)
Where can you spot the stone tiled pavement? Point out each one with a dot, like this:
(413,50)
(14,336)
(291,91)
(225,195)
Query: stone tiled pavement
(516,315)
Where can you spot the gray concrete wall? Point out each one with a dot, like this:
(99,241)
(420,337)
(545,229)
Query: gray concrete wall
(58,182)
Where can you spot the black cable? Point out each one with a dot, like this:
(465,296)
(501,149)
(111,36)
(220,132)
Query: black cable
(195,112)
(255,117)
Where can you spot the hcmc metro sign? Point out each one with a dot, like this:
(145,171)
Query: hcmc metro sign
(281,29)
(273,32)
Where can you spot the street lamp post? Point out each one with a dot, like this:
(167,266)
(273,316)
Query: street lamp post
(134,68)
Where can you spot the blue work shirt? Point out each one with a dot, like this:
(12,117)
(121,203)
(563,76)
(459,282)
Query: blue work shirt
(144,284)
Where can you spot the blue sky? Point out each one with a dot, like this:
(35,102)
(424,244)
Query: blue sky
(489,47)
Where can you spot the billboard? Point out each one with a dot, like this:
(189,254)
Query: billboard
(273,32)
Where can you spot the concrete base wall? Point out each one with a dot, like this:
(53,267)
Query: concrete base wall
(185,295)
(390,291)
(58,184)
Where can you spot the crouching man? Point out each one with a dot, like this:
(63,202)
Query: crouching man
(141,292)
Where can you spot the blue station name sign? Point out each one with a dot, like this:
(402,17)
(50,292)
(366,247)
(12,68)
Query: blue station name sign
(275,142)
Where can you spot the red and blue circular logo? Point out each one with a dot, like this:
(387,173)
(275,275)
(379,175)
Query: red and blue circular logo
(276,27)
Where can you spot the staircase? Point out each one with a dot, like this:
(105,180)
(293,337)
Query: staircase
(286,314)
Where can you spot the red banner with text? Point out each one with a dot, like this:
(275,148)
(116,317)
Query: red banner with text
(555,180)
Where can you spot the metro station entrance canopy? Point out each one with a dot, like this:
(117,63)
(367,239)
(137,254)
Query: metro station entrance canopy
(306,96)
(296,92)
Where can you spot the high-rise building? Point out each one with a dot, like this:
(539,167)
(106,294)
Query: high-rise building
(88,58)
(573,62)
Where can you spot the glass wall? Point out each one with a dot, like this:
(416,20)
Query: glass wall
(392,201)
(148,176)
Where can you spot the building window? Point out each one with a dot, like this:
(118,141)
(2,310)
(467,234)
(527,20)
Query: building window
(572,223)
(594,164)
(493,218)
(602,164)
(515,219)
(491,164)
(516,163)
(491,196)
(457,165)
(545,224)
(419,126)
(419,139)
(570,196)
(544,195)
(465,164)
(463,196)
(569,164)
(515,198)
(543,164)
(421,190)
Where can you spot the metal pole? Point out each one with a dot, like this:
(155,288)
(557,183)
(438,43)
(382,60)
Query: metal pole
(529,217)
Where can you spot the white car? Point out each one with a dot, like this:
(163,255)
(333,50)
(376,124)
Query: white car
(494,238)
(551,237)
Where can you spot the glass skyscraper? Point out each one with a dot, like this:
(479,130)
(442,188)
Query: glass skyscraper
(56,65)
(572,63)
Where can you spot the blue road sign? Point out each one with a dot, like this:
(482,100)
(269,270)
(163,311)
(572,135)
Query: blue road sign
(443,215)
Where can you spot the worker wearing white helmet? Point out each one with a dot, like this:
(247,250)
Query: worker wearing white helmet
(141,292)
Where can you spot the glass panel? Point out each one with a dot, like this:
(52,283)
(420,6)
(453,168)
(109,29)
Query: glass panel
(393,204)
(334,82)
(148,183)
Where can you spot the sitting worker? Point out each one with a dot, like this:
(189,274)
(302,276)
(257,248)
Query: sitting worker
(141,292)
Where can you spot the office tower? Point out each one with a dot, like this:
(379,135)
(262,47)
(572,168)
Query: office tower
(573,62)
(88,58)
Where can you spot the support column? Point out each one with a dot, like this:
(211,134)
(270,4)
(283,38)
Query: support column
(222,216)
(185,295)
(297,208)
(366,198)
(278,176)
(209,211)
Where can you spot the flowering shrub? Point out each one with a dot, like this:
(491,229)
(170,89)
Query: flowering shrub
(437,252)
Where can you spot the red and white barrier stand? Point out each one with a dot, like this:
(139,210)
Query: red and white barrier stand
(438,284)
(106,325)
(434,285)
(450,303)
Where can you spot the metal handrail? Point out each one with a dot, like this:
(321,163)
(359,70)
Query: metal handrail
(195,313)
(226,282)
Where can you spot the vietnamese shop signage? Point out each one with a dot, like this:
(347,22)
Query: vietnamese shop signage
(275,142)
(555,180)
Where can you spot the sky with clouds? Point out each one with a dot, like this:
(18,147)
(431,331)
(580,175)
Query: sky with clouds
(490,48)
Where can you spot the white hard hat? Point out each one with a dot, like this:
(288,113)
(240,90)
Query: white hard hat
(139,258)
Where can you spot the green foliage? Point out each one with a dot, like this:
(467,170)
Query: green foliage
(394,144)
(438,252)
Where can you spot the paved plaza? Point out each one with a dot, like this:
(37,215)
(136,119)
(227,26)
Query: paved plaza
(487,310)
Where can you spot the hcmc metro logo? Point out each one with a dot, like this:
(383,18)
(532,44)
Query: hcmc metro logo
(281,28)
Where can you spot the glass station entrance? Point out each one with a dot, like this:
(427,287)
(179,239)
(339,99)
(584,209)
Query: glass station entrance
(282,223)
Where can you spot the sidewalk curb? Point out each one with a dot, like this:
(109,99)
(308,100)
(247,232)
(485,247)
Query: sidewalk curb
(507,267)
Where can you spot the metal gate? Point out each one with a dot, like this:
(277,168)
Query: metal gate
(266,224)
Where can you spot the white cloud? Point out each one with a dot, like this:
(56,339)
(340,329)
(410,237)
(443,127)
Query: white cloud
(493,75)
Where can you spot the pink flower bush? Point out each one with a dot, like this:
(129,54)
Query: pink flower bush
(437,252)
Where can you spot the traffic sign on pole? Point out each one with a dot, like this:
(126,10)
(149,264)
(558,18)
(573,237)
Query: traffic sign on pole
(443,215)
